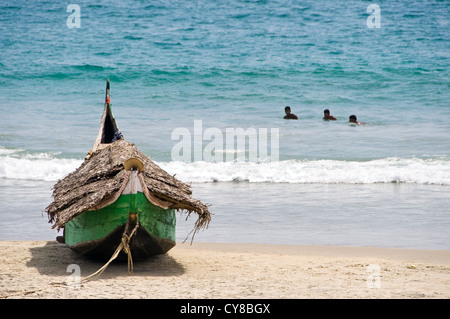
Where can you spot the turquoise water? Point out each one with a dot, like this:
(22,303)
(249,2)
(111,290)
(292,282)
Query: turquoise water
(237,64)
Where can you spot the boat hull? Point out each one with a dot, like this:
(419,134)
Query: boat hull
(98,233)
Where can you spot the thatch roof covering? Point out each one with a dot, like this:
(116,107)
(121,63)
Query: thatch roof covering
(100,178)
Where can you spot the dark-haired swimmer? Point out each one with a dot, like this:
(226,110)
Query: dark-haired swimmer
(289,115)
(327,116)
(353,119)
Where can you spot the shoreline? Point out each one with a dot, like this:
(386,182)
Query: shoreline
(404,254)
(41,270)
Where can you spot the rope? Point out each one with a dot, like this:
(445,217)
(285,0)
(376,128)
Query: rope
(125,246)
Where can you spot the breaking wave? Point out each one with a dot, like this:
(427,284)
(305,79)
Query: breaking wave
(18,164)
(388,170)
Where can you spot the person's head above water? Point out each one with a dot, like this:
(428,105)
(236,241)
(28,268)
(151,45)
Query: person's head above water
(289,115)
(327,116)
(352,119)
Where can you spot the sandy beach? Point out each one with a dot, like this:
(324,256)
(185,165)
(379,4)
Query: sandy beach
(40,269)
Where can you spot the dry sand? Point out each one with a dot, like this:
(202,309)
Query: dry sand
(38,269)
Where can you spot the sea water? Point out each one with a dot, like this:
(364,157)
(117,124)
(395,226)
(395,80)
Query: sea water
(236,65)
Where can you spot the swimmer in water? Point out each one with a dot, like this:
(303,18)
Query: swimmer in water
(327,116)
(289,115)
(353,119)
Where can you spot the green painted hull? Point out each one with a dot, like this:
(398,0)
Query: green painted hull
(98,233)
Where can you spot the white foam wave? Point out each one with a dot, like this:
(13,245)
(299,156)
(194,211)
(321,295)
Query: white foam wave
(388,170)
(41,166)
(15,164)
(7,151)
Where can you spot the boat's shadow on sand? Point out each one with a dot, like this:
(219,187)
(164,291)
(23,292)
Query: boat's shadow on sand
(54,259)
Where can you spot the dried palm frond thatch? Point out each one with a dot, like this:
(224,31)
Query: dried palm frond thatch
(100,177)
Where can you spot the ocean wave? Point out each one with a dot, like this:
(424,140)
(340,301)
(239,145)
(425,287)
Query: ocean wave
(91,67)
(388,170)
(17,164)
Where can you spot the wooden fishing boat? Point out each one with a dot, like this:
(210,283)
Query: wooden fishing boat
(97,233)
(119,196)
